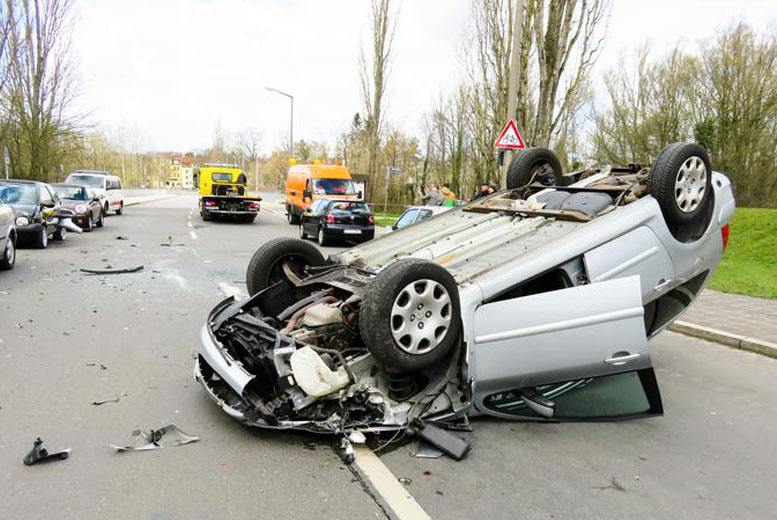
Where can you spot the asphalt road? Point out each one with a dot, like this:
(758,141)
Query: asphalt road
(710,456)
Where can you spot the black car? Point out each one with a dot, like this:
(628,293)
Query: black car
(86,205)
(337,219)
(35,206)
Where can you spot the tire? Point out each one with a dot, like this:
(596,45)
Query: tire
(265,267)
(292,217)
(681,181)
(531,161)
(322,239)
(302,234)
(106,209)
(41,241)
(101,219)
(121,208)
(89,223)
(386,328)
(8,259)
(60,234)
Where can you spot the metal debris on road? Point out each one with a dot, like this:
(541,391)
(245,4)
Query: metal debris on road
(41,454)
(119,237)
(152,439)
(113,271)
(170,243)
(426,451)
(105,401)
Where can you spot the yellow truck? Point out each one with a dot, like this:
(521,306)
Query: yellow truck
(224,194)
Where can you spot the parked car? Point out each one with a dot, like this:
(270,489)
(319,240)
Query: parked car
(306,183)
(87,206)
(415,214)
(7,237)
(106,186)
(337,219)
(534,304)
(38,213)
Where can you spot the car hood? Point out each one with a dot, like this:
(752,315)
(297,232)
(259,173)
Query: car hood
(22,209)
(71,203)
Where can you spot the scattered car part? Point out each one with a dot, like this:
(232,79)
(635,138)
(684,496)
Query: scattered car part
(450,443)
(266,265)
(41,454)
(153,439)
(534,165)
(426,450)
(106,401)
(409,316)
(114,271)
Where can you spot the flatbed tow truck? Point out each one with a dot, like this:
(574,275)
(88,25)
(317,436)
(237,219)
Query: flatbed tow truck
(224,194)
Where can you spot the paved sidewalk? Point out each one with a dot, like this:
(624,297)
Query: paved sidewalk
(735,313)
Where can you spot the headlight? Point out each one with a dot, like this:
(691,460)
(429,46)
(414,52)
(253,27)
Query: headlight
(81,208)
(22,221)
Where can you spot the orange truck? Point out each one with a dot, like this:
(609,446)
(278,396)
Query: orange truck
(307,182)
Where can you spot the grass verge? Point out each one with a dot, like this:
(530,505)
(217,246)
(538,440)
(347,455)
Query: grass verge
(749,265)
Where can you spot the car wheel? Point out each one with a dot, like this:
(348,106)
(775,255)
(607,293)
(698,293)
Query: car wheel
(89,224)
(302,234)
(534,165)
(9,255)
(106,209)
(291,217)
(322,240)
(681,181)
(42,239)
(266,265)
(60,234)
(409,317)
(101,219)
(121,208)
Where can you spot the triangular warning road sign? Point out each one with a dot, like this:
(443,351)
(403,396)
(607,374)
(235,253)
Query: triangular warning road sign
(509,138)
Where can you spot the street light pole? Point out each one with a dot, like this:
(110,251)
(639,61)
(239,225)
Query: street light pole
(291,119)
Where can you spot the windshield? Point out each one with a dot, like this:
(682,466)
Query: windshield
(18,194)
(93,181)
(333,187)
(344,207)
(70,192)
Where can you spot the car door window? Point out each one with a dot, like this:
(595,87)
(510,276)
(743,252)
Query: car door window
(45,196)
(423,214)
(407,219)
(624,395)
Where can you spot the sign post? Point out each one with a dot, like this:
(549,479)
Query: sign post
(389,171)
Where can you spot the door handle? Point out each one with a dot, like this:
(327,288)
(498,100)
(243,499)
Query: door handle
(662,283)
(621,360)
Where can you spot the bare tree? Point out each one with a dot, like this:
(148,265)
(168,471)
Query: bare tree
(374,73)
(40,90)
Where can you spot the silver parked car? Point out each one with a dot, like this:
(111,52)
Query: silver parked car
(535,303)
(7,237)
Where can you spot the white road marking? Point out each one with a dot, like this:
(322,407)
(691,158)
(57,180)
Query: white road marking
(231,290)
(190,224)
(195,252)
(193,234)
(388,486)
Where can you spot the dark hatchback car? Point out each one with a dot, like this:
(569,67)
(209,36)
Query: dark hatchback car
(86,205)
(337,219)
(34,205)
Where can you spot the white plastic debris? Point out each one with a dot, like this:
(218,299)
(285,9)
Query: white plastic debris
(313,376)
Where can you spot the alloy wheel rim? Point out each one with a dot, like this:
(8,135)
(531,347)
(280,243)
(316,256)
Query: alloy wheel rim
(421,316)
(690,184)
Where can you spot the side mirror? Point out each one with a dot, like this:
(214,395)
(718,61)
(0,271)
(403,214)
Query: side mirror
(307,194)
(360,195)
(292,192)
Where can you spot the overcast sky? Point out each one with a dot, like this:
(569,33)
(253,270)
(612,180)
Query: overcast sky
(165,72)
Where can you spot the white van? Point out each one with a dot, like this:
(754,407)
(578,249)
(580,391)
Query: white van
(105,185)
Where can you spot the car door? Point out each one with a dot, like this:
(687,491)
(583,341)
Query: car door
(48,206)
(547,348)
(310,217)
(406,219)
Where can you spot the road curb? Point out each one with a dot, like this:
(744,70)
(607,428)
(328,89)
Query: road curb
(141,200)
(765,348)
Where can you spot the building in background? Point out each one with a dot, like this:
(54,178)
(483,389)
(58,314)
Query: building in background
(174,173)
(188,165)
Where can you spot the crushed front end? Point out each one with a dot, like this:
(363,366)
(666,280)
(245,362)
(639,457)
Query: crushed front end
(291,357)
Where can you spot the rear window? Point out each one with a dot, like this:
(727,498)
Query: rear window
(92,181)
(333,187)
(222,177)
(347,207)
(70,192)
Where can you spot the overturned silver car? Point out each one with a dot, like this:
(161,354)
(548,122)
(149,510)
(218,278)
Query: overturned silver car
(535,303)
